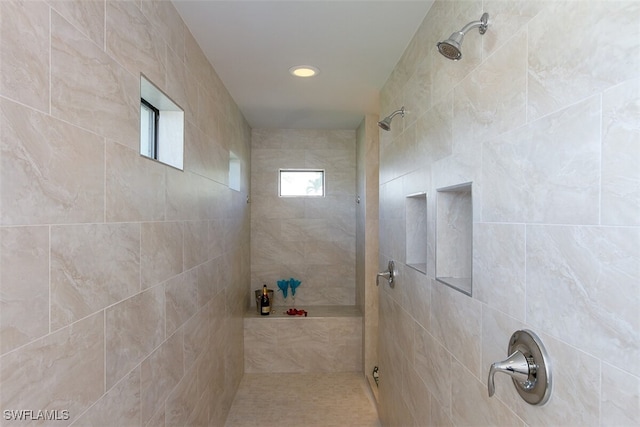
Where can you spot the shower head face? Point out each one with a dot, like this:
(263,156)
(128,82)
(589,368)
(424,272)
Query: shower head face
(385,124)
(451,48)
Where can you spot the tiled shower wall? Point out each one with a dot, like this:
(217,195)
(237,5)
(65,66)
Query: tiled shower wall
(541,114)
(310,239)
(121,279)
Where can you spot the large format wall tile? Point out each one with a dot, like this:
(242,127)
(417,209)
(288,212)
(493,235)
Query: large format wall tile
(161,252)
(134,327)
(24,285)
(90,89)
(81,282)
(547,171)
(620,199)
(52,172)
(24,53)
(62,371)
(87,16)
(582,287)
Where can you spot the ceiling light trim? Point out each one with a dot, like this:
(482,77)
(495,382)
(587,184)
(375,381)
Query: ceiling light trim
(304,71)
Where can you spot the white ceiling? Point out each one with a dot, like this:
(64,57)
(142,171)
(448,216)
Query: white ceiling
(252,45)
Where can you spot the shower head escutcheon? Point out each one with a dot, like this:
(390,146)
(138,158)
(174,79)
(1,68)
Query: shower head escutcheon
(385,123)
(451,48)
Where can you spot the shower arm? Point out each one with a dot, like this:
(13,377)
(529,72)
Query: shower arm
(482,23)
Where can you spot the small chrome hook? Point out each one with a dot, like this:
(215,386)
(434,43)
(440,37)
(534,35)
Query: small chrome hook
(390,274)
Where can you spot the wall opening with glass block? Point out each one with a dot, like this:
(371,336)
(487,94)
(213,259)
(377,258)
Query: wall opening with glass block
(454,236)
(416,231)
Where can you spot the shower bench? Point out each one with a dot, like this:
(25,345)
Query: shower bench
(329,339)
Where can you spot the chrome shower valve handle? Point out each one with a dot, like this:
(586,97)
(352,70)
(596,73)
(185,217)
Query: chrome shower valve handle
(390,274)
(528,366)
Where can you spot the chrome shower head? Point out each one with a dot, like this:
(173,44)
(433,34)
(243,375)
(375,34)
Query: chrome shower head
(385,123)
(451,48)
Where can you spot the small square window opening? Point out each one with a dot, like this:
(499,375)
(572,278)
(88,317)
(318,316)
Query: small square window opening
(301,183)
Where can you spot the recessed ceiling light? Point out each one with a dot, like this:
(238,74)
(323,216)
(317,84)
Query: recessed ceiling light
(304,71)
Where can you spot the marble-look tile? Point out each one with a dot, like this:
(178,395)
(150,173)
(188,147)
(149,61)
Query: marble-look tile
(90,89)
(620,199)
(166,22)
(81,282)
(87,16)
(159,374)
(196,335)
(471,404)
(555,79)
(161,255)
(182,400)
(61,371)
(582,288)
(456,323)
(433,365)
(499,268)
(133,42)
(196,243)
(24,285)
(491,100)
(575,398)
(134,327)
(24,53)
(135,186)
(547,171)
(52,172)
(417,90)
(620,398)
(181,299)
(327,399)
(183,196)
(120,406)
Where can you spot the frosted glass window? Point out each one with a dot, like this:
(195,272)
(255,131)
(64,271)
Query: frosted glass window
(301,183)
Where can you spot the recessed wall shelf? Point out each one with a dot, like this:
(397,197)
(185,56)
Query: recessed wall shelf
(454,236)
(416,231)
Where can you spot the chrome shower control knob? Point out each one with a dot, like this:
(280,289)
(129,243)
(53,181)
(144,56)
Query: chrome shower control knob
(528,366)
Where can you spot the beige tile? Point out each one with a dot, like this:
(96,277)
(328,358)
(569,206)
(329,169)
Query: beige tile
(196,336)
(471,404)
(161,252)
(329,400)
(120,406)
(555,79)
(182,400)
(166,22)
(133,42)
(499,269)
(81,282)
(87,16)
(90,89)
(491,100)
(24,53)
(52,172)
(620,398)
(196,243)
(134,327)
(24,285)
(433,366)
(159,374)
(61,371)
(456,323)
(621,154)
(135,186)
(181,298)
(546,172)
(582,288)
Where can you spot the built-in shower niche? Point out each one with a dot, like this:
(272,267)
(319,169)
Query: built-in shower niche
(454,234)
(416,229)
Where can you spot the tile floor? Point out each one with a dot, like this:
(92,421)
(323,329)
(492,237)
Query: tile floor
(309,400)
